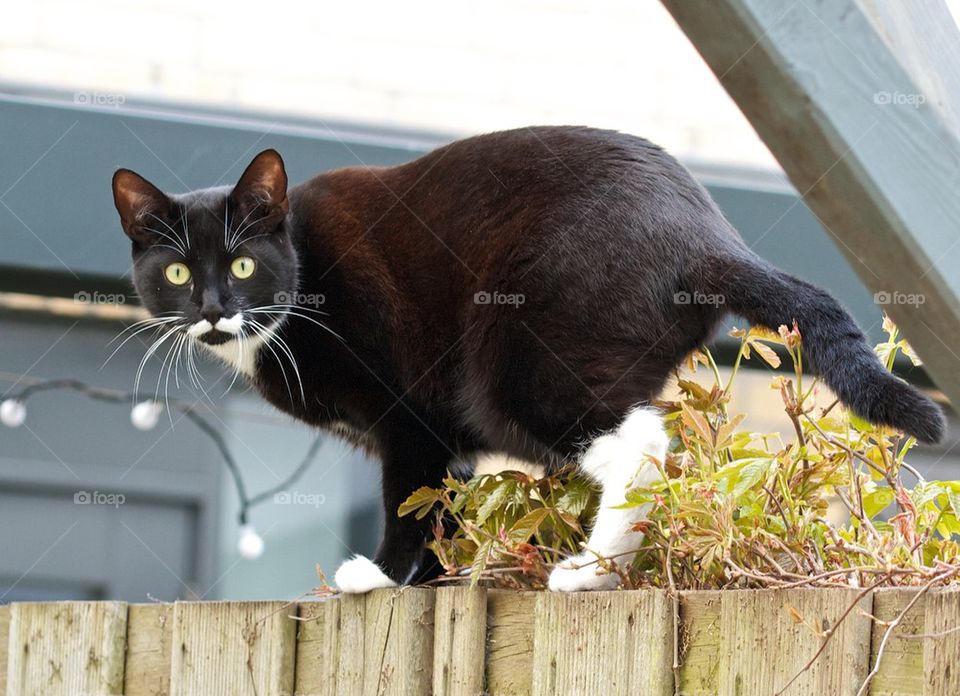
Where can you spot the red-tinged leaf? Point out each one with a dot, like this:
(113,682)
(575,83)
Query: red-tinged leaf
(766,353)
(698,423)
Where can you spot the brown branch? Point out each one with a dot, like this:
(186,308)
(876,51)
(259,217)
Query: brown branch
(830,632)
(896,622)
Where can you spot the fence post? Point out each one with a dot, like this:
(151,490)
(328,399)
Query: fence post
(385,643)
(510,642)
(318,647)
(603,642)
(237,648)
(460,638)
(4,639)
(66,648)
(149,635)
(768,636)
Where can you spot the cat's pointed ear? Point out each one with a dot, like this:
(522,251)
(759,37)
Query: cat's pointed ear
(139,203)
(263,184)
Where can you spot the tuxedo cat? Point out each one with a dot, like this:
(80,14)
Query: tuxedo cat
(525,292)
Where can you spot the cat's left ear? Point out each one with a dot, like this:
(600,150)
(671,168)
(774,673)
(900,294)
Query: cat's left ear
(263,184)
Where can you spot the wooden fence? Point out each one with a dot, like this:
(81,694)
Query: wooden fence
(457,641)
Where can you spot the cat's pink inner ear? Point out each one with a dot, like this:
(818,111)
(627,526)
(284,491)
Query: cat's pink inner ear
(264,182)
(135,198)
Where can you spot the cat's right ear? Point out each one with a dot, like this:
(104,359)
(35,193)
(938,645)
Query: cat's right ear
(140,205)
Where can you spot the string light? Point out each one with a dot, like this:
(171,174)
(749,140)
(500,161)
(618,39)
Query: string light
(13,412)
(144,416)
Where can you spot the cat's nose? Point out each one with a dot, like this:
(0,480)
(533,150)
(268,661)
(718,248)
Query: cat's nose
(212,315)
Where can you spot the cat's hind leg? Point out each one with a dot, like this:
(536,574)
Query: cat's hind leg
(617,461)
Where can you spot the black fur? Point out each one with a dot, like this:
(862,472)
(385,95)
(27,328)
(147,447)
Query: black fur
(596,231)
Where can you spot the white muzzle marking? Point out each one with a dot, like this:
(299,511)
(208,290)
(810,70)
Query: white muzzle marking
(230,325)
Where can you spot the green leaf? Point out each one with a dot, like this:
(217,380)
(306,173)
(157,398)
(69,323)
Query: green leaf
(577,497)
(480,561)
(877,500)
(739,476)
(527,526)
(494,500)
(421,500)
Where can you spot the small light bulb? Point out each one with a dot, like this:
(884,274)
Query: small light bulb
(13,413)
(146,414)
(250,544)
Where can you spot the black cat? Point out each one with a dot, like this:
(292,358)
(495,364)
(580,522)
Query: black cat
(527,292)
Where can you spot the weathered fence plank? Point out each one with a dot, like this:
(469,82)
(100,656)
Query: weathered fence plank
(510,642)
(350,661)
(385,643)
(460,638)
(66,648)
(149,633)
(941,673)
(318,648)
(768,636)
(901,669)
(4,633)
(699,649)
(237,648)
(611,642)
(462,641)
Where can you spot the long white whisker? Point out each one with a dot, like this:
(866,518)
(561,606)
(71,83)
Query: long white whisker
(176,234)
(241,228)
(175,241)
(163,364)
(174,349)
(272,335)
(265,335)
(300,316)
(146,356)
(293,306)
(148,320)
(134,334)
(186,226)
(236,372)
(226,217)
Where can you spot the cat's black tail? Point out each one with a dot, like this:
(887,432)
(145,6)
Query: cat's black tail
(836,346)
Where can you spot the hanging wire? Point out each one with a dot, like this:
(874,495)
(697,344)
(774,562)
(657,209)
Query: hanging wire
(251,545)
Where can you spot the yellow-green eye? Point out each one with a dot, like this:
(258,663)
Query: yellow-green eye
(177,273)
(242,267)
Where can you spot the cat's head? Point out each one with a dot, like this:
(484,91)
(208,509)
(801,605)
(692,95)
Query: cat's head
(216,262)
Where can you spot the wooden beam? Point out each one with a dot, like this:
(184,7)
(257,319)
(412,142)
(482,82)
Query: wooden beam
(862,137)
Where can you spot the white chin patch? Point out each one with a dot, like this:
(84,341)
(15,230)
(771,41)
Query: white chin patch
(359,575)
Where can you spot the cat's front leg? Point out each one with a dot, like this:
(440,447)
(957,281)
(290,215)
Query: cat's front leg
(618,460)
(402,557)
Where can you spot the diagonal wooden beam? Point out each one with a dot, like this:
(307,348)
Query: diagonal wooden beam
(851,111)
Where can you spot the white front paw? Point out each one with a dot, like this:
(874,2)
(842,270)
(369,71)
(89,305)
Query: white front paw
(581,573)
(359,575)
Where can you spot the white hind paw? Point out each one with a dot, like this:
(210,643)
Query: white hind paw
(581,573)
(359,575)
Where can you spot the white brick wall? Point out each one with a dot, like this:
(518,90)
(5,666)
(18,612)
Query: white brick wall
(456,66)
